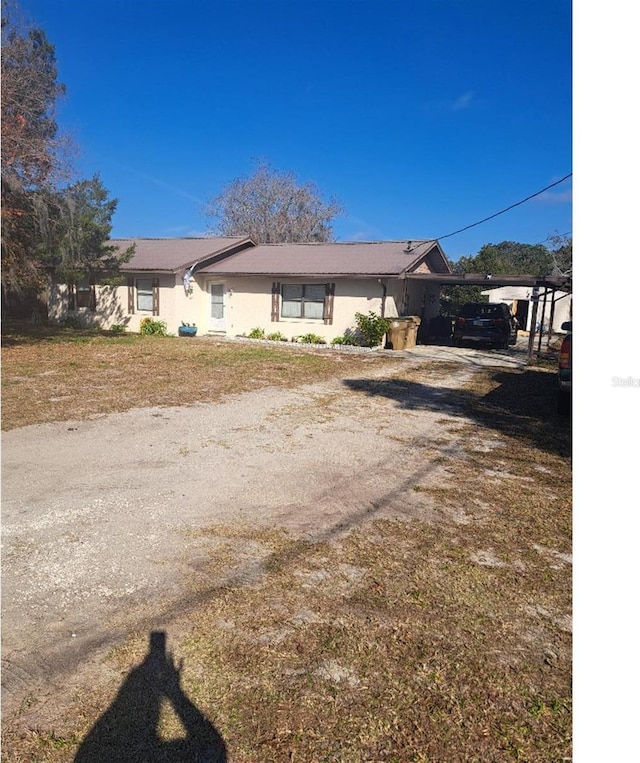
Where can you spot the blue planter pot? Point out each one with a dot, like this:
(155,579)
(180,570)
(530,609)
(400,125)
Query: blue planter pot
(187,330)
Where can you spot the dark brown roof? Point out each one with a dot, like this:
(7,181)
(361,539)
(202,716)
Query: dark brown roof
(381,258)
(175,254)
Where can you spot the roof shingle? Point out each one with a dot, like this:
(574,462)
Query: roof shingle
(239,256)
(174,254)
(352,258)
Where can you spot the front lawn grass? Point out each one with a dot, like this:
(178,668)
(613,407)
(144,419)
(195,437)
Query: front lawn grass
(56,374)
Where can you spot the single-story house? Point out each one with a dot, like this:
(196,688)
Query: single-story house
(229,286)
(551,314)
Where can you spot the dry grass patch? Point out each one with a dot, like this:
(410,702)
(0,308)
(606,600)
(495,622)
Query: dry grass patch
(401,641)
(51,374)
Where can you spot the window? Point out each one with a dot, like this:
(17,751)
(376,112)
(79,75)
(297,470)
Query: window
(216,290)
(483,310)
(303,301)
(144,295)
(83,294)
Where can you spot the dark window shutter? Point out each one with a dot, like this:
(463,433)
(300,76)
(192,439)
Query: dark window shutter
(275,302)
(72,297)
(131,296)
(93,301)
(328,303)
(156,296)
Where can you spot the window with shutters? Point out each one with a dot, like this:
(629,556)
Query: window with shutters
(84,294)
(303,301)
(144,295)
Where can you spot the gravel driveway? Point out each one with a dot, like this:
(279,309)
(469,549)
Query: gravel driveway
(103,520)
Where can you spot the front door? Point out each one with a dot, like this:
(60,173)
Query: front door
(216,307)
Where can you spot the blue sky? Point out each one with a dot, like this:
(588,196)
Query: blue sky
(420,117)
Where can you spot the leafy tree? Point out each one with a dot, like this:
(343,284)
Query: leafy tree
(45,226)
(508,257)
(272,207)
(453,297)
(79,231)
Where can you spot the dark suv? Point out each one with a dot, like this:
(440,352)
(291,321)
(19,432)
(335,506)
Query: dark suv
(486,323)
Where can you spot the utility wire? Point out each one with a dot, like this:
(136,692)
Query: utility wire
(517,204)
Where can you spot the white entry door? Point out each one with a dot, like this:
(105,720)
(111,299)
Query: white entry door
(217,320)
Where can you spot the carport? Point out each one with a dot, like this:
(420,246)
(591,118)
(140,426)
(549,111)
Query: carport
(543,297)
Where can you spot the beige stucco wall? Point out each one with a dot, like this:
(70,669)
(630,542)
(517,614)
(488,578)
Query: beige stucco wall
(112,304)
(109,307)
(57,301)
(248,306)
(247,303)
(173,303)
(511,294)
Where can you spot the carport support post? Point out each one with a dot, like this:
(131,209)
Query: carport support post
(535,296)
(544,310)
(552,315)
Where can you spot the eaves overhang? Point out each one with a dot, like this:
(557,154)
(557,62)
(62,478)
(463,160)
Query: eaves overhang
(289,275)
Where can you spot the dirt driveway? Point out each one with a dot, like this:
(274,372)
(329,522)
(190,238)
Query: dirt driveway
(104,521)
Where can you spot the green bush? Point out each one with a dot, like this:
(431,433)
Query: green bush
(372,328)
(118,328)
(71,323)
(256,334)
(149,326)
(311,339)
(347,339)
(277,336)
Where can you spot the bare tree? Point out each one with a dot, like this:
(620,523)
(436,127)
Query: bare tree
(272,207)
(46,228)
(561,247)
(30,91)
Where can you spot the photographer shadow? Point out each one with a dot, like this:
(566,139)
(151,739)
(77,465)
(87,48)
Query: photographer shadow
(128,729)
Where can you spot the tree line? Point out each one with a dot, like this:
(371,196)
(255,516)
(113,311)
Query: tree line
(508,257)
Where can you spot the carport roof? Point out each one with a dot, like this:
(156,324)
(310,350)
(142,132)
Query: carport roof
(490,281)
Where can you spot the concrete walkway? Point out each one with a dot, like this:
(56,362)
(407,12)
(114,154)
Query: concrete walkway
(514,357)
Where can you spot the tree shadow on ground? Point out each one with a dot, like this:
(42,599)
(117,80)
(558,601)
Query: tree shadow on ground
(128,729)
(523,405)
(18,333)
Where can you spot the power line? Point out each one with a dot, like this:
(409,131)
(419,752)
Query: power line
(517,204)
